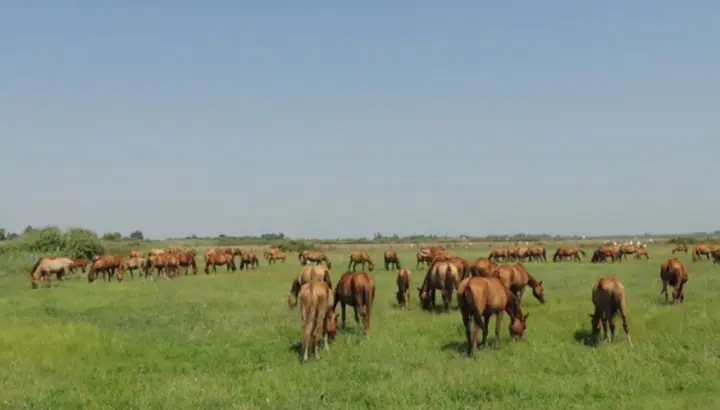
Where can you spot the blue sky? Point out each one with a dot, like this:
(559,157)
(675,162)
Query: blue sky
(329,118)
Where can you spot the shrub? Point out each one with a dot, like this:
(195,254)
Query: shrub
(83,243)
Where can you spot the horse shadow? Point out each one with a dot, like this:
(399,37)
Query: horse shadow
(455,346)
(586,337)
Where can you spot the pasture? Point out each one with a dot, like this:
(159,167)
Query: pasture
(230,341)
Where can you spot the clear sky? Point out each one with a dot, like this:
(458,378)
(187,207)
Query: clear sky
(338,118)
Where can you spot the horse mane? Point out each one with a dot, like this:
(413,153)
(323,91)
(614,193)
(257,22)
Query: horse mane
(36,264)
(531,280)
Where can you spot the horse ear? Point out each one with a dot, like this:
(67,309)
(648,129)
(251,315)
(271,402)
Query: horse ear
(591,315)
(419,288)
(526,316)
(540,283)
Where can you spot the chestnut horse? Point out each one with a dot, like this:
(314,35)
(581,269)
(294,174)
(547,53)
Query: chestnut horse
(314,256)
(317,317)
(391,259)
(673,273)
(360,258)
(108,266)
(356,289)
(481,297)
(216,259)
(444,276)
(404,283)
(248,260)
(308,274)
(516,278)
(608,297)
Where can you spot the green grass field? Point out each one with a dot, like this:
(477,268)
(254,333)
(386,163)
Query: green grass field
(230,341)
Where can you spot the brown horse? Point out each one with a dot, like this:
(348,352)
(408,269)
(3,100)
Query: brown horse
(307,275)
(248,260)
(79,263)
(404,284)
(356,289)
(424,258)
(133,262)
(108,266)
(47,266)
(166,265)
(360,258)
(317,317)
(608,297)
(499,255)
(702,250)
(444,276)
(516,278)
(186,259)
(604,252)
(482,267)
(314,256)
(568,252)
(538,253)
(273,255)
(216,259)
(673,273)
(479,298)
(680,248)
(640,253)
(391,259)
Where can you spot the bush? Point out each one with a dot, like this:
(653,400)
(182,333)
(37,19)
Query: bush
(82,243)
(293,246)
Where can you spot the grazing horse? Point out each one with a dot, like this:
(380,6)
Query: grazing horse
(248,260)
(404,284)
(680,248)
(79,263)
(608,297)
(673,273)
(499,255)
(317,317)
(702,250)
(444,276)
(356,289)
(640,253)
(482,267)
(480,298)
(314,256)
(360,258)
(568,252)
(186,259)
(308,274)
(47,266)
(108,266)
(537,253)
(216,259)
(391,259)
(516,278)
(424,258)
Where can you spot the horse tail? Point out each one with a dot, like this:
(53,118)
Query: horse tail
(327,279)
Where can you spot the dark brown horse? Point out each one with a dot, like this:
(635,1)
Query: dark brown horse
(480,298)
(356,289)
(608,297)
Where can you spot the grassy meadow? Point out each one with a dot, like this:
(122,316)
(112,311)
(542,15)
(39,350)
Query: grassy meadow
(229,341)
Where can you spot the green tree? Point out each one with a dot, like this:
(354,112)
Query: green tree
(83,243)
(137,234)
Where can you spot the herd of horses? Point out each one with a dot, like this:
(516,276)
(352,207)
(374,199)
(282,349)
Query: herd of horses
(489,286)
(484,288)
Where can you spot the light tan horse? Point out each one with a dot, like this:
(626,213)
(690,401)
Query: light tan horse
(307,275)
(47,266)
(317,316)
(443,276)
(132,263)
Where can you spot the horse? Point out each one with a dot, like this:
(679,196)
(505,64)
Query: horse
(216,259)
(444,276)
(272,255)
(680,248)
(537,253)
(640,253)
(134,262)
(673,273)
(47,266)
(314,256)
(108,266)
(608,297)
(481,297)
(404,283)
(391,259)
(317,317)
(248,260)
(482,267)
(79,263)
(360,258)
(566,252)
(308,274)
(516,278)
(356,289)
(702,250)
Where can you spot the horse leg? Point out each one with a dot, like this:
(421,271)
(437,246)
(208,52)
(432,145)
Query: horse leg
(605,328)
(485,325)
(664,291)
(611,321)
(342,312)
(357,317)
(349,265)
(498,327)
(470,336)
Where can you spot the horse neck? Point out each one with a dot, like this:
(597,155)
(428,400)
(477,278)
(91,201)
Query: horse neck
(531,280)
(512,306)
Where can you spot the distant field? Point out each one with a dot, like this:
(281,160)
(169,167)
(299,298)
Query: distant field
(227,341)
